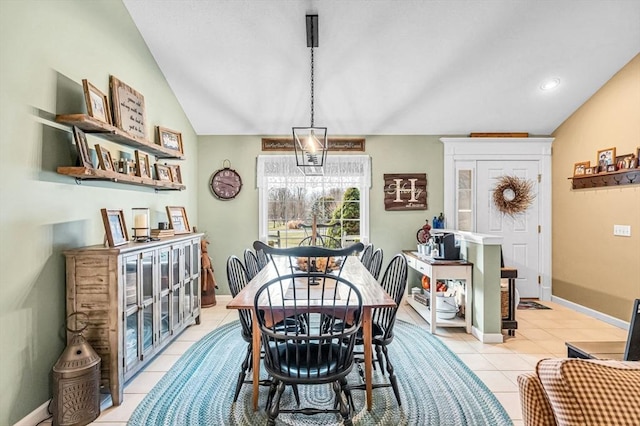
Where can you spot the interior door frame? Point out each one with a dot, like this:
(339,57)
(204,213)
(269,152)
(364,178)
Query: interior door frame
(496,149)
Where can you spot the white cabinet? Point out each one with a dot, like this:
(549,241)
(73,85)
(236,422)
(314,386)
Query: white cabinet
(138,296)
(459,270)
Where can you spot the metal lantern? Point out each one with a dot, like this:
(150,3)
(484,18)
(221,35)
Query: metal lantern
(76,381)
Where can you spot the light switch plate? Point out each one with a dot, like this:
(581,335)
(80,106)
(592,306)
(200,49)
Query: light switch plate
(622,230)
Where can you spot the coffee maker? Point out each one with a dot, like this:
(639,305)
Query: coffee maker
(447,246)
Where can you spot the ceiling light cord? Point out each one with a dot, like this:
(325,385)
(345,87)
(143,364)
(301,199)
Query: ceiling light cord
(312,86)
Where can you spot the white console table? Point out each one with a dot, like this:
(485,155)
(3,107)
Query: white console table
(441,270)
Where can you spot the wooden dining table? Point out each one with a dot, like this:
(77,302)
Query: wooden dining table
(373,296)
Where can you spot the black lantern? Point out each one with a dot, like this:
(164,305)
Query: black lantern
(310,143)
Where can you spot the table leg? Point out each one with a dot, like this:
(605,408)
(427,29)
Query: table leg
(255,360)
(367,336)
(433,300)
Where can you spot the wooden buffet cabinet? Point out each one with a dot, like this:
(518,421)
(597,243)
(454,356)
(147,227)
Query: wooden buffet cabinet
(139,297)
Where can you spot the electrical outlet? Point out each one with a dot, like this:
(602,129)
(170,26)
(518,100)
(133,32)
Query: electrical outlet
(622,230)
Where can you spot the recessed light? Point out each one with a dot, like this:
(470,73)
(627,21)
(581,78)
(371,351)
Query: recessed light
(550,84)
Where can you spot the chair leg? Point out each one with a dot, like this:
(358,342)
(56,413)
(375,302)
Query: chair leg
(274,408)
(392,376)
(296,394)
(243,370)
(379,358)
(272,390)
(345,412)
(347,391)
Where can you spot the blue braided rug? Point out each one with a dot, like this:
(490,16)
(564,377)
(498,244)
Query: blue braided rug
(436,388)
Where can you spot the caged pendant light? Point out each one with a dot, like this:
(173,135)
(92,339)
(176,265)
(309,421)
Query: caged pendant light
(310,143)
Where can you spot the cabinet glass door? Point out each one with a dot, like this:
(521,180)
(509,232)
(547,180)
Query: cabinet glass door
(132,303)
(175,286)
(164,296)
(147,302)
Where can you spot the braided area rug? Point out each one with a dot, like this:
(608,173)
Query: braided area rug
(436,388)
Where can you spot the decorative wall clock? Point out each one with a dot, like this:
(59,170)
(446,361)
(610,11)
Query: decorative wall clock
(226,183)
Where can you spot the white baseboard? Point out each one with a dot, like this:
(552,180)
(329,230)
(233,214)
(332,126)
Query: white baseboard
(591,312)
(36,416)
(487,337)
(224,298)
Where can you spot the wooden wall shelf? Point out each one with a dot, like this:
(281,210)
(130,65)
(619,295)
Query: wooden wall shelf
(618,178)
(84,173)
(89,124)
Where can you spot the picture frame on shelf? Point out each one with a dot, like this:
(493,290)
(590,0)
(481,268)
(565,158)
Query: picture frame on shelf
(143,168)
(163,173)
(128,107)
(178,220)
(580,169)
(611,167)
(105,161)
(97,102)
(80,139)
(115,227)
(605,158)
(623,161)
(590,170)
(170,139)
(176,173)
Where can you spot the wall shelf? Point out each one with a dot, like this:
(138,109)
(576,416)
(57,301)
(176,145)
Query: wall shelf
(89,124)
(618,178)
(84,173)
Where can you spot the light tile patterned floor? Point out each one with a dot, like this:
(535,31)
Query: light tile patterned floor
(541,334)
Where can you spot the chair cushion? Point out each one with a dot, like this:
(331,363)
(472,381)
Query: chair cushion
(592,392)
(323,361)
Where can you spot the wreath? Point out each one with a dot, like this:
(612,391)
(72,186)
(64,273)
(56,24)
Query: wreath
(512,194)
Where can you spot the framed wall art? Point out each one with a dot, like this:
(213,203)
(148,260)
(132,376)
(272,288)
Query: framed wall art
(128,109)
(606,157)
(163,172)
(405,191)
(97,103)
(115,227)
(176,174)
(170,139)
(143,168)
(178,220)
(580,169)
(84,157)
(105,161)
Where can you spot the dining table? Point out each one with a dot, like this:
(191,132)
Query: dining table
(373,296)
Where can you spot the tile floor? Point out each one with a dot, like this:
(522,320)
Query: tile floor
(540,334)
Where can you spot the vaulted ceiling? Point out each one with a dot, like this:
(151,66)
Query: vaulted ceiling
(432,67)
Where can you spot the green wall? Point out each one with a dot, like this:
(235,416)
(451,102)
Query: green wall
(47,48)
(232,226)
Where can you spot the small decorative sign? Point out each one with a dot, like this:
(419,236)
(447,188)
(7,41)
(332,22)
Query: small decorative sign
(335,144)
(128,109)
(405,191)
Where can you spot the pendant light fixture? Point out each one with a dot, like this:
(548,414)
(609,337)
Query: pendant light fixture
(310,143)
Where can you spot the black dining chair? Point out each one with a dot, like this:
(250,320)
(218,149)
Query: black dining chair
(321,241)
(315,356)
(251,263)
(394,282)
(262,259)
(365,256)
(238,279)
(376,263)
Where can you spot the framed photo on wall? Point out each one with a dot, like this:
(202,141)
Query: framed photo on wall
(606,157)
(128,108)
(178,220)
(580,169)
(170,139)
(80,139)
(142,165)
(114,227)
(104,158)
(97,103)
(163,172)
(176,174)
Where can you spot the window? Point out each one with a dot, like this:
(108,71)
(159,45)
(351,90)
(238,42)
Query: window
(289,200)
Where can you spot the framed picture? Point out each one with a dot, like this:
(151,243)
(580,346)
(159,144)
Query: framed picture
(611,167)
(104,158)
(115,227)
(589,170)
(178,220)
(176,174)
(83,148)
(170,139)
(163,172)
(142,165)
(580,169)
(605,158)
(97,103)
(128,109)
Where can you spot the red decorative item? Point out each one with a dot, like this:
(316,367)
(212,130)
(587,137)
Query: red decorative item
(423,234)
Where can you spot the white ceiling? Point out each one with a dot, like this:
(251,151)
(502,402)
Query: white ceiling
(438,67)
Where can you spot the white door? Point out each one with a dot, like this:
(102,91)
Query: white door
(520,233)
